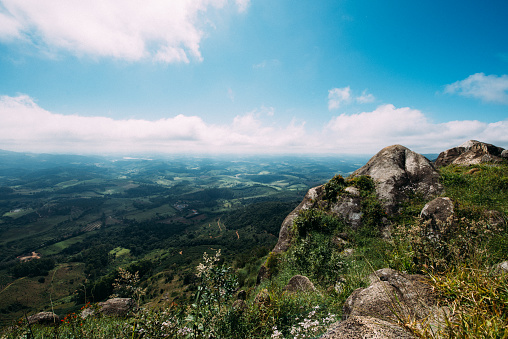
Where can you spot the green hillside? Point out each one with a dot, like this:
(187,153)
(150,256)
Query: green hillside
(459,267)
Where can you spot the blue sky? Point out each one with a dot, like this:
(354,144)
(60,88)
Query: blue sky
(247,76)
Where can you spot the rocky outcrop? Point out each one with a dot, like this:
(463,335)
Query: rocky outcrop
(44,318)
(397,171)
(300,283)
(285,230)
(471,152)
(347,207)
(119,307)
(400,172)
(375,311)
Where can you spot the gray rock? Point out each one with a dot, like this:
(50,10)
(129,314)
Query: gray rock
(349,208)
(501,268)
(87,312)
(352,191)
(300,283)
(365,327)
(438,210)
(285,231)
(119,307)
(471,152)
(398,172)
(504,154)
(44,318)
(348,252)
(391,295)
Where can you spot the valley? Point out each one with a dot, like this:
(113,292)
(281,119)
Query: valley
(86,216)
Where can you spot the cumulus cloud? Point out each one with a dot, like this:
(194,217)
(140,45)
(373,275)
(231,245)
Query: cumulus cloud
(365,98)
(338,97)
(388,125)
(165,31)
(489,88)
(25,126)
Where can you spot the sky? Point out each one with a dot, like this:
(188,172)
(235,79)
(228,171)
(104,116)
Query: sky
(251,76)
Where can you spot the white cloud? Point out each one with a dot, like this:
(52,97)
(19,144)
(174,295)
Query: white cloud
(490,88)
(9,28)
(338,96)
(242,5)
(387,125)
(342,96)
(165,31)
(365,98)
(25,126)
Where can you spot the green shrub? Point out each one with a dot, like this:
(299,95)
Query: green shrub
(334,187)
(317,257)
(316,220)
(364,183)
(272,263)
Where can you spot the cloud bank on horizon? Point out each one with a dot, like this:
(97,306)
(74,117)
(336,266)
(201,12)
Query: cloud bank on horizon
(185,50)
(26,126)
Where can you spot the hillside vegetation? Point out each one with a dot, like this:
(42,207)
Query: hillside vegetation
(337,259)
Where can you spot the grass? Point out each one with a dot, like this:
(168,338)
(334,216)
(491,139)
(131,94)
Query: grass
(59,246)
(478,186)
(24,293)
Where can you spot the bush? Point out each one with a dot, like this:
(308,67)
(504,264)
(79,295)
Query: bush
(334,187)
(316,220)
(317,257)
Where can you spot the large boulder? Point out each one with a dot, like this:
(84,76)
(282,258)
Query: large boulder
(119,307)
(300,283)
(376,311)
(44,318)
(366,327)
(471,152)
(391,295)
(400,172)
